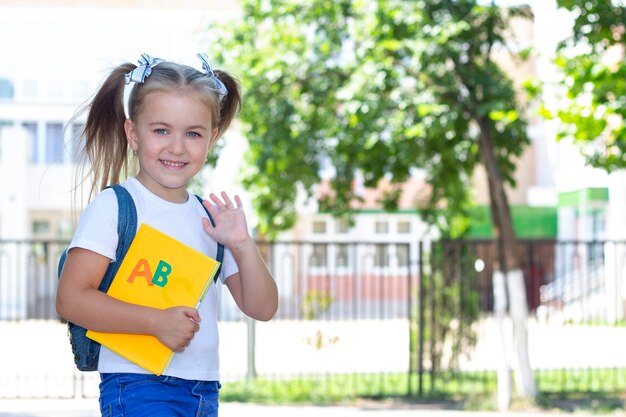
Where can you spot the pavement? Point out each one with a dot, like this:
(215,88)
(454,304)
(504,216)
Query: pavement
(89,408)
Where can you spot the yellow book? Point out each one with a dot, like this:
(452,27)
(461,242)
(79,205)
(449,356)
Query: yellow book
(157,271)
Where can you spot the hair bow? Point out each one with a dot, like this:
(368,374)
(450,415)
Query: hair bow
(217,83)
(139,74)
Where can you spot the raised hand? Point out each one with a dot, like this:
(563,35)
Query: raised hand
(252,287)
(231,228)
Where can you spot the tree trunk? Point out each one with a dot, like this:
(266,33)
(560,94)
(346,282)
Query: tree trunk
(507,263)
(504,367)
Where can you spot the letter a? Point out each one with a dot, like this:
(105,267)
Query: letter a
(161,273)
(142,269)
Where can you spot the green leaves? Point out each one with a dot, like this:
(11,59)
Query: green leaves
(378,87)
(591,64)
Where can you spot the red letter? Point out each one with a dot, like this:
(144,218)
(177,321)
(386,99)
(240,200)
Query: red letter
(141,269)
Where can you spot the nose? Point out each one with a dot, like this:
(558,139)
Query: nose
(177,144)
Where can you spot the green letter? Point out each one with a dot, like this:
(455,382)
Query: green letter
(161,273)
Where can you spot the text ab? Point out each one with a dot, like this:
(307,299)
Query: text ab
(142,269)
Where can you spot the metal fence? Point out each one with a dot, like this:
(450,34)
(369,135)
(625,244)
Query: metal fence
(377,318)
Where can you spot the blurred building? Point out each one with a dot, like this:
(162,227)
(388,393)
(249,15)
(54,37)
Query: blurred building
(53,57)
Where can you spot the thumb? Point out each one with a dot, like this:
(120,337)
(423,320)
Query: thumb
(206,225)
(193,314)
(210,207)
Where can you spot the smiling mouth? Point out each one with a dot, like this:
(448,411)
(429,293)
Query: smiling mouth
(171,164)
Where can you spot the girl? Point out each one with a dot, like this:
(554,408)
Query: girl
(175,116)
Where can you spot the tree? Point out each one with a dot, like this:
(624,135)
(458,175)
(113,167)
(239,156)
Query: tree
(591,109)
(381,88)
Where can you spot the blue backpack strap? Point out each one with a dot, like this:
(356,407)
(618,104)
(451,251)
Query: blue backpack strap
(126,230)
(220,248)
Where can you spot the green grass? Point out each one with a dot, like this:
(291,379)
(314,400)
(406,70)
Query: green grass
(603,323)
(324,389)
(582,380)
(594,391)
(590,402)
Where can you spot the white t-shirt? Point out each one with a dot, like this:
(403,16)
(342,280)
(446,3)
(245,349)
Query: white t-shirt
(97,231)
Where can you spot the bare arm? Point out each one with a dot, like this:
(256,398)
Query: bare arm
(253,288)
(79,301)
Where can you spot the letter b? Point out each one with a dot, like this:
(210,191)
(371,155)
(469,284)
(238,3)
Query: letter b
(161,273)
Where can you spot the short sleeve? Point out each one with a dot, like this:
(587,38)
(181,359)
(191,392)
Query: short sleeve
(229,266)
(97,227)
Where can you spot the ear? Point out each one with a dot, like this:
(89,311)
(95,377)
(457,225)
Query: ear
(213,139)
(131,134)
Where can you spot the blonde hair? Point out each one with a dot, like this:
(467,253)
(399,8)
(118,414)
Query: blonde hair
(105,156)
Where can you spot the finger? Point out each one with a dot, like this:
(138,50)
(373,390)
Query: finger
(210,207)
(194,327)
(193,314)
(220,205)
(238,201)
(227,201)
(206,224)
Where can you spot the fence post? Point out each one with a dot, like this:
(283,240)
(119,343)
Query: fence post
(251,373)
(420,387)
(409,317)
(250,324)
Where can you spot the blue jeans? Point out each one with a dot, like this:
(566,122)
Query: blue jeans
(139,395)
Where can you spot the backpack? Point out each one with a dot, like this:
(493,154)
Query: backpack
(85,350)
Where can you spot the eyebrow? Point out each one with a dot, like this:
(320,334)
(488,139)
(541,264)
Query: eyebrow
(194,127)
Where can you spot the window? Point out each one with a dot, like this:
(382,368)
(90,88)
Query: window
(33,132)
(55,88)
(319,227)
(41,228)
(3,124)
(51,224)
(402,255)
(318,257)
(77,145)
(341,258)
(29,88)
(81,88)
(598,226)
(381,256)
(64,228)
(6,88)
(404,227)
(54,143)
(342,225)
(381,227)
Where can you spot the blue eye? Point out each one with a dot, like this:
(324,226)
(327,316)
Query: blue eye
(194,134)
(160,131)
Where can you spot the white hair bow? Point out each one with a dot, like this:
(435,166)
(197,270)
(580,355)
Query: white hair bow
(139,74)
(222,91)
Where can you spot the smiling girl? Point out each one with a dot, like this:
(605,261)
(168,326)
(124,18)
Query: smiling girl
(176,114)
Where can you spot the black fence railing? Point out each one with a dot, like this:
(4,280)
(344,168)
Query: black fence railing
(391,318)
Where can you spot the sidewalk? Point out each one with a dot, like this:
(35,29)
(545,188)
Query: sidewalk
(89,408)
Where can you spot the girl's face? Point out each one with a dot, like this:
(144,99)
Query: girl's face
(171,136)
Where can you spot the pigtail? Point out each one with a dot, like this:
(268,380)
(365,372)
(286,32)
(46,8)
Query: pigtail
(106,147)
(231,104)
